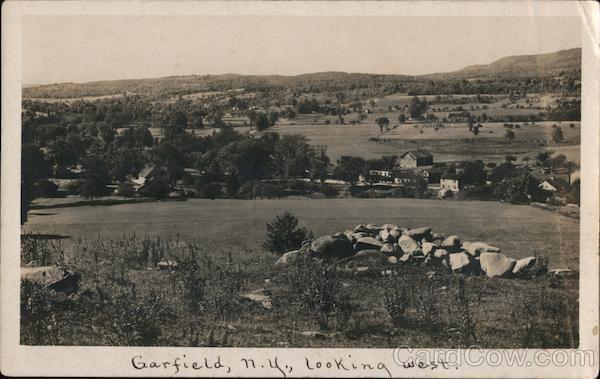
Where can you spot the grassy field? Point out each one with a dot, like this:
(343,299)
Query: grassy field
(447,144)
(450,142)
(154,306)
(519,231)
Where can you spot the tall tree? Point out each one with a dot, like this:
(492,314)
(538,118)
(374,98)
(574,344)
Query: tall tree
(349,168)
(557,134)
(382,122)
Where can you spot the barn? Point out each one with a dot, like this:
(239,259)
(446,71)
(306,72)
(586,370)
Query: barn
(416,158)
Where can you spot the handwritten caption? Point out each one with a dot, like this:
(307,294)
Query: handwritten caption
(277,366)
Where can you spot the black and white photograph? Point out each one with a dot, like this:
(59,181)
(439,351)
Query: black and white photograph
(302,181)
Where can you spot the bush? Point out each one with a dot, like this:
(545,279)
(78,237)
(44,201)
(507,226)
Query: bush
(126,190)
(211,191)
(45,188)
(412,299)
(268,190)
(328,190)
(316,290)
(284,235)
(157,187)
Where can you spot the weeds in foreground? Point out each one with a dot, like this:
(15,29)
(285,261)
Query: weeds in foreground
(545,319)
(317,290)
(120,303)
(37,251)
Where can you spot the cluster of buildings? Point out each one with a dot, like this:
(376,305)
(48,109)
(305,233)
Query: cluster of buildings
(413,164)
(420,163)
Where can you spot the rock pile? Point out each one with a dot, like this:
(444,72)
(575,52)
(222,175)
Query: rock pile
(368,246)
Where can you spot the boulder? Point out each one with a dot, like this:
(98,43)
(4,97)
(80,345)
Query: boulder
(328,247)
(55,278)
(451,244)
(440,254)
(523,265)
(418,233)
(386,236)
(289,257)
(339,235)
(260,297)
(392,260)
(390,249)
(461,263)
(360,228)
(476,248)
(403,259)
(357,236)
(389,227)
(367,243)
(438,237)
(167,264)
(365,258)
(428,248)
(395,233)
(562,273)
(350,235)
(374,227)
(407,244)
(496,264)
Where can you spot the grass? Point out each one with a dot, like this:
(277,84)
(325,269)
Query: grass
(518,230)
(447,144)
(124,300)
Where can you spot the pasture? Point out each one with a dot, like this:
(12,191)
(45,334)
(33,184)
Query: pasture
(507,313)
(518,230)
(447,144)
(452,141)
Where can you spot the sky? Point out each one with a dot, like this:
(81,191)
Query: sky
(58,49)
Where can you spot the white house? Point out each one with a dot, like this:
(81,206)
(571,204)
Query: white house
(449,182)
(143,176)
(547,185)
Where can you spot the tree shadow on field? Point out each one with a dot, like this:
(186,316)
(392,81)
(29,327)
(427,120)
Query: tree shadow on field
(39,236)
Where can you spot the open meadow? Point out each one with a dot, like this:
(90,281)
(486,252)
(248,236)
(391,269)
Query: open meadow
(519,230)
(232,294)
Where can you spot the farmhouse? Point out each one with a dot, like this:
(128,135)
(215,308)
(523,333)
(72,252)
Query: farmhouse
(403,177)
(553,185)
(416,158)
(143,176)
(449,182)
(433,177)
(381,176)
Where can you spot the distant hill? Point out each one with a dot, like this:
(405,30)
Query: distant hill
(521,66)
(514,67)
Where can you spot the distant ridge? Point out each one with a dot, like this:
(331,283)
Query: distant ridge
(513,67)
(541,65)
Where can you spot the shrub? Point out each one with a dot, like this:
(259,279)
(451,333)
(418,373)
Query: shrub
(268,190)
(284,235)
(126,190)
(465,297)
(328,190)
(412,299)
(396,302)
(46,188)
(316,290)
(211,191)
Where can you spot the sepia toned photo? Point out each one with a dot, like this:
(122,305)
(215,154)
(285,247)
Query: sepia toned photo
(292,181)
